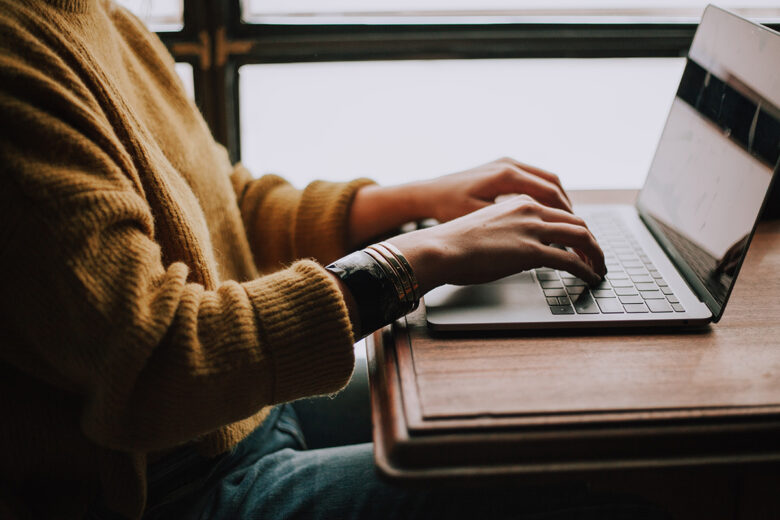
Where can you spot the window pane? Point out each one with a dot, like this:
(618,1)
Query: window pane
(184,70)
(594,122)
(158,15)
(482,11)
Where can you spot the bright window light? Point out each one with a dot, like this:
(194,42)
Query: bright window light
(480,11)
(595,122)
(184,71)
(158,15)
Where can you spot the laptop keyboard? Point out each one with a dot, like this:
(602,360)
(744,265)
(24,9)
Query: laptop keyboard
(632,285)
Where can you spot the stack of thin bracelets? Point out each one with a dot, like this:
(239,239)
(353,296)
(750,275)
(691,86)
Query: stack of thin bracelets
(381,282)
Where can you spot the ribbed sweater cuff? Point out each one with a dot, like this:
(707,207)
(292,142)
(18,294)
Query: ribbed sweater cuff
(322,223)
(304,321)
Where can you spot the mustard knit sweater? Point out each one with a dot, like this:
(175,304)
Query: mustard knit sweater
(133,318)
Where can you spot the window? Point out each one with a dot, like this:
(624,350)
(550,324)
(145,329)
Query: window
(158,15)
(491,11)
(594,122)
(391,89)
(184,70)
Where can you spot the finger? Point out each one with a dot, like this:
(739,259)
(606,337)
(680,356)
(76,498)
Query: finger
(578,238)
(544,174)
(540,189)
(549,214)
(555,215)
(568,261)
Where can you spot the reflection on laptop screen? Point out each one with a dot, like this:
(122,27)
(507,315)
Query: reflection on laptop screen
(717,154)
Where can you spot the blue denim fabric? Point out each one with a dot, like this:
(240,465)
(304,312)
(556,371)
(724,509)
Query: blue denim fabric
(270,475)
(273,474)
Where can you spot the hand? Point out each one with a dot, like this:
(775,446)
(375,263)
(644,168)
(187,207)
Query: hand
(379,209)
(499,240)
(458,194)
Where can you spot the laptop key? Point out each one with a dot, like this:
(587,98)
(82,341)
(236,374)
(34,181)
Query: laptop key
(603,293)
(638,278)
(551,284)
(678,308)
(609,305)
(634,298)
(561,309)
(646,286)
(552,300)
(625,291)
(635,308)
(661,282)
(573,281)
(563,300)
(584,304)
(622,283)
(652,295)
(554,292)
(666,290)
(658,306)
(617,275)
(672,298)
(547,275)
(636,270)
(655,274)
(576,289)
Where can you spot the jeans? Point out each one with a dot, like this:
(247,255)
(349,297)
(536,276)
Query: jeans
(313,460)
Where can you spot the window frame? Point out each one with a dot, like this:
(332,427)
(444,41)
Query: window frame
(217,42)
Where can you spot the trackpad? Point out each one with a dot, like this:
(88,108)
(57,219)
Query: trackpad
(506,291)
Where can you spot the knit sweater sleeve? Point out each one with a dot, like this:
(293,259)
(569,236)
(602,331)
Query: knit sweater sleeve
(90,305)
(284,223)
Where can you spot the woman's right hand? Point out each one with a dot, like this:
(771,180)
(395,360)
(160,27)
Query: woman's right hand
(500,240)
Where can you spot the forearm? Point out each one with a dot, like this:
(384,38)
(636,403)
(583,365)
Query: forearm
(158,358)
(377,210)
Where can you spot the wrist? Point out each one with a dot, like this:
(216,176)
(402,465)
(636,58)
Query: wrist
(418,200)
(426,254)
(378,284)
(377,210)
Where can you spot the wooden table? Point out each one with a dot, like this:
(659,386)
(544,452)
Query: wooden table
(615,407)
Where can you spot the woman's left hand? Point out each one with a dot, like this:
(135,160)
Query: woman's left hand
(377,210)
(458,194)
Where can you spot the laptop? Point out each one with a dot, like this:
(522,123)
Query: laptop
(674,256)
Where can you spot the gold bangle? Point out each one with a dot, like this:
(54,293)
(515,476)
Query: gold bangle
(394,278)
(410,273)
(399,270)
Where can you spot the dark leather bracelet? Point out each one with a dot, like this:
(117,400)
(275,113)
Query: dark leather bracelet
(373,290)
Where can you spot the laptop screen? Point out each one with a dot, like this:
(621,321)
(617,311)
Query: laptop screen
(715,161)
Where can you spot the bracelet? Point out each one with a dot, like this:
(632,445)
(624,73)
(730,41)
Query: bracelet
(382,284)
(388,269)
(388,260)
(408,269)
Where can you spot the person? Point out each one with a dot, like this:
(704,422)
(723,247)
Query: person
(160,305)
